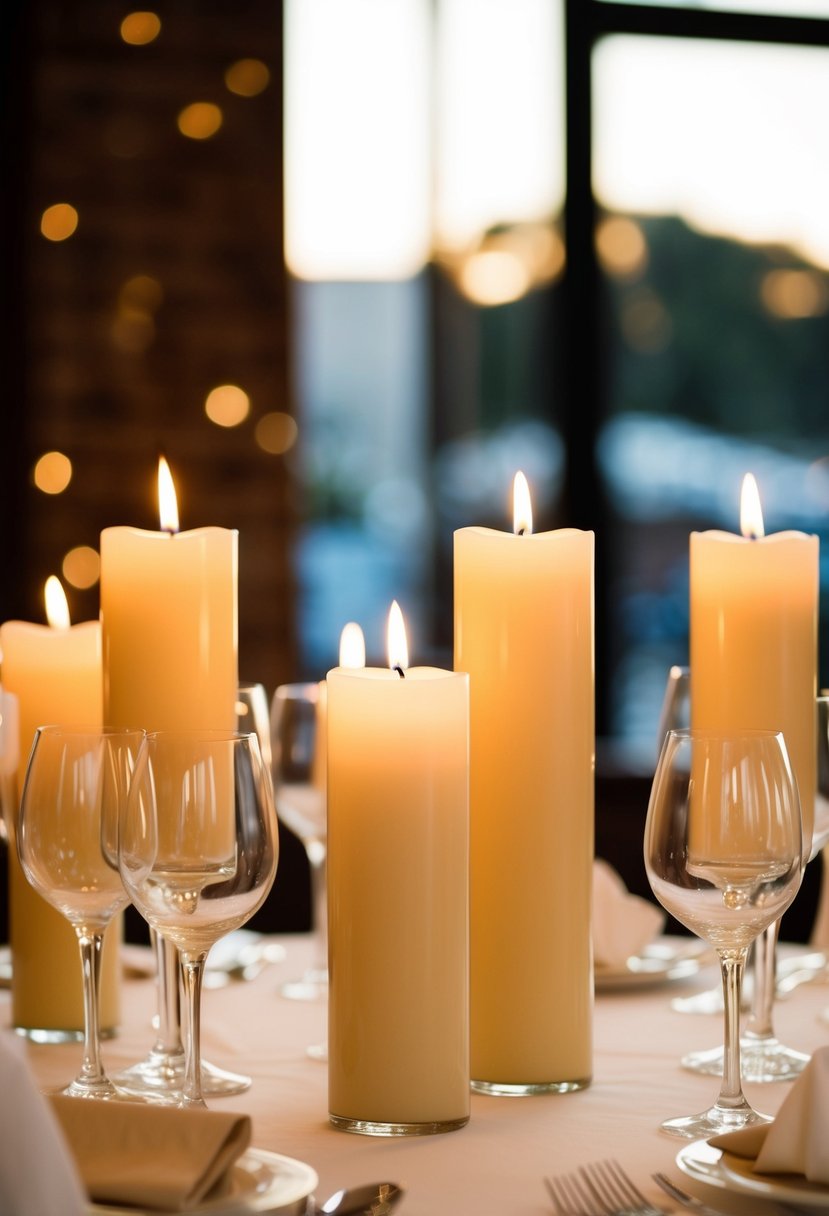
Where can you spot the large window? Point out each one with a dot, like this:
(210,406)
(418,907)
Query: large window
(587,239)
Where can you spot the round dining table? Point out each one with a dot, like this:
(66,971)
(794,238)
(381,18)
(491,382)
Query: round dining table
(496,1164)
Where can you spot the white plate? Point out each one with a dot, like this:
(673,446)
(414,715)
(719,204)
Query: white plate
(261,1182)
(664,960)
(705,1163)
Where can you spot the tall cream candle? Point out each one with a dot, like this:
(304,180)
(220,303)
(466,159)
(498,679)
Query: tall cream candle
(753,639)
(524,633)
(398,1057)
(170,624)
(54,671)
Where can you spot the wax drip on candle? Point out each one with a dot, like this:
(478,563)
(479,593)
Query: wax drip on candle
(396,640)
(522,511)
(167,502)
(751,513)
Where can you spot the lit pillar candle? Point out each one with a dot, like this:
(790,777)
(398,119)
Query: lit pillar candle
(398,1058)
(54,671)
(524,633)
(170,626)
(753,640)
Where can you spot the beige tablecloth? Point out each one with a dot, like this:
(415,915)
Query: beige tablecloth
(495,1164)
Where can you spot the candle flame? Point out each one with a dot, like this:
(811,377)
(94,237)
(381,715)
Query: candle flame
(522,510)
(751,513)
(352,646)
(167,503)
(57,607)
(398,650)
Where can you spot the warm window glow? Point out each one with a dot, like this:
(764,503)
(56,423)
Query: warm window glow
(200,120)
(276,433)
(247,77)
(81,567)
(53,472)
(499,125)
(357,138)
(742,156)
(140,28)
(621,246)
(522,511)
(59,221)
(227,405)
(751,513)
(167,502)
(352,646)
(57,608)
(396,638)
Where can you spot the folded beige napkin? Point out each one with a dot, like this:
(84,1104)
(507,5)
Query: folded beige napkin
(797,1142)
(151,1156)
(622,923)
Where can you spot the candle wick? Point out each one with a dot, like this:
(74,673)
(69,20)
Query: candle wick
(522,531)
(400,671)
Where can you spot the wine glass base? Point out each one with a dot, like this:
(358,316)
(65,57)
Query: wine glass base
(770,1060)
(161,1076)
(709,1062)
(713,1122)
(101,1090)
(761,1061)
(220,1082)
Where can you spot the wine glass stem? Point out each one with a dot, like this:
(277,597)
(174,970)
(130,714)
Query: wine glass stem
(90,945)
(168,1042)
(319,902)
(759,1025)
(732,963)
(192,970)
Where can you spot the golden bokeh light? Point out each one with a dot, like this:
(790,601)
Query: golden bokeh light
(200,120)
(276,433)
(142,292)
(53,472)
(621,246)
(138,29)
(494,276)
(247,77)
(132,331)
(81,567)
(646,322)
(227,405)
(795,294)
(58,221)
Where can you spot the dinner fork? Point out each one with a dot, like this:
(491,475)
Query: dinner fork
(598,1189)
(687,1201)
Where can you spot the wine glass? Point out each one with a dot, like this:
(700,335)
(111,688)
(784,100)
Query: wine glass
(197,852)
(764,1057)
(723,854)
(253,717)
(299,789)
(76,786)
(161,1074)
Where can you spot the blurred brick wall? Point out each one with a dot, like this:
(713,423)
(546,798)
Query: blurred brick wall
(115,375)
